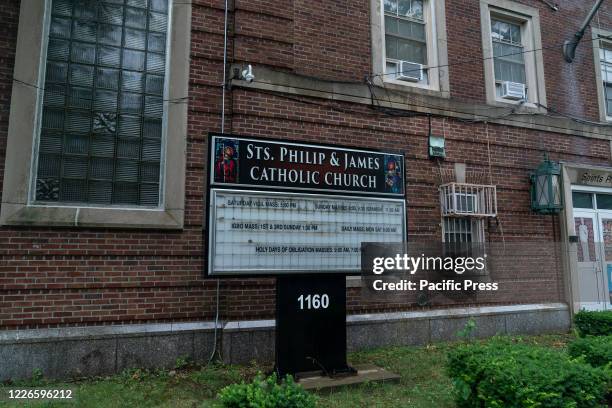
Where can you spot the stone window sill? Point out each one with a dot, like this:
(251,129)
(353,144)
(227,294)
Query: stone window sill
(55,216)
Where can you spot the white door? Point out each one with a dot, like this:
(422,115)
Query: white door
(590,260)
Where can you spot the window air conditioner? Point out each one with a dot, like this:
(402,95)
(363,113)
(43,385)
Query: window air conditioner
(463,199)
(513,90)
(409,71)
(466,202)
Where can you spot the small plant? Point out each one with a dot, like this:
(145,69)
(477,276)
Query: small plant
(468,330)
(131,375)
(37,376)
(593,323)
(182,362)
(266,393)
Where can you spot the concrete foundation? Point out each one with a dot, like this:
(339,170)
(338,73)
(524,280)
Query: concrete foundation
(102,350)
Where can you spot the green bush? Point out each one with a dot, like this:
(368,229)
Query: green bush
(500,374)
(593,323)
(596,350)
(266,393)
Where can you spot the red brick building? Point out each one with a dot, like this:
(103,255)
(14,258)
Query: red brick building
(106,107)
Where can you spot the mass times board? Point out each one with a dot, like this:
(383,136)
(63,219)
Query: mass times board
(289,208)
(256,232)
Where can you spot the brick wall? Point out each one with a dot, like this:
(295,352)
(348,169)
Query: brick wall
(51,277)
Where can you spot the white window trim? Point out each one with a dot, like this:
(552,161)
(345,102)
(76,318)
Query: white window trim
(437,54)
(529,18)
(601,96)
(17,207)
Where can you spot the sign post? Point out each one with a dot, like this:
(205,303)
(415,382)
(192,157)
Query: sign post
(311,324)
(300,212)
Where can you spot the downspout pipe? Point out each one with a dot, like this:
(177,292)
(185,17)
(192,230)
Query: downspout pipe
(569,46)
(224,69)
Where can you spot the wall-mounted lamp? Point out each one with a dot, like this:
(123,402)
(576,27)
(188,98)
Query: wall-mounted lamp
(546,188)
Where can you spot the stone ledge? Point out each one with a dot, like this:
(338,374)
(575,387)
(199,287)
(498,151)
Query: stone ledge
(249,325)
(21,214)
(454,312)
(101,332)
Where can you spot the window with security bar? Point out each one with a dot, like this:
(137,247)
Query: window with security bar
(405,39)
(508,53)
(463,229)
(103,107)
(464,236)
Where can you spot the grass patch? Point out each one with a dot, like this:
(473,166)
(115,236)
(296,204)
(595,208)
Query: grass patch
(423,384)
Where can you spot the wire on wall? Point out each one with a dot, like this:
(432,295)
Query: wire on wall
(486,126)
(223,91)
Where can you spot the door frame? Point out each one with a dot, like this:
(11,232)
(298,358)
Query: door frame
(598,215)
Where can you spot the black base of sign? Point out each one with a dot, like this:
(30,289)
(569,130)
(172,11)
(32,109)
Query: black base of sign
(311,325)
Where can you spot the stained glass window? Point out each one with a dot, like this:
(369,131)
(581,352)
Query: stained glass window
(101,127)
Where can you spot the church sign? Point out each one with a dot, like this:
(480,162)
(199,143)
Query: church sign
(285,208)
(596,178)
(244,162)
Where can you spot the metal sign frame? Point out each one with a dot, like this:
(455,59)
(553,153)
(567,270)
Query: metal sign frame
(274,272)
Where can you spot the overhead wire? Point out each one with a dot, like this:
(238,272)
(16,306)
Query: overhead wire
(394,112)
(389,111)
(183,99)
(511,115)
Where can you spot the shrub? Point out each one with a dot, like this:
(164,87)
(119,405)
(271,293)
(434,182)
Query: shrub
(593,323)
(266,393)
(596,350)
(500,374)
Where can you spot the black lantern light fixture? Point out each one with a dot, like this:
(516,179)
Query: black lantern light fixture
(546,188)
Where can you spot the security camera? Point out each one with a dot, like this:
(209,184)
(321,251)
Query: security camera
(247,74)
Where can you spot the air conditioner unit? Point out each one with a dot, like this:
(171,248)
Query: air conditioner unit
(513,90)
(409,71)
(463,199)
(466,202)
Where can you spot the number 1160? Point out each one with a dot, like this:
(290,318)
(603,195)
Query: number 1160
(313,301)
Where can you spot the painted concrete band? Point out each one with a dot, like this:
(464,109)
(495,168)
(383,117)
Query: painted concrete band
(75,333)
(102,350)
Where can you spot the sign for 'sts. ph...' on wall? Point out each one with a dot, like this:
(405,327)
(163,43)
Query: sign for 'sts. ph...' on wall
(280,207)
(276,165)
(592,177)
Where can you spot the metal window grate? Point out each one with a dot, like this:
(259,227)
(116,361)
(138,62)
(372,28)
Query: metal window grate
(101,132)
(458,230)
(465,236)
